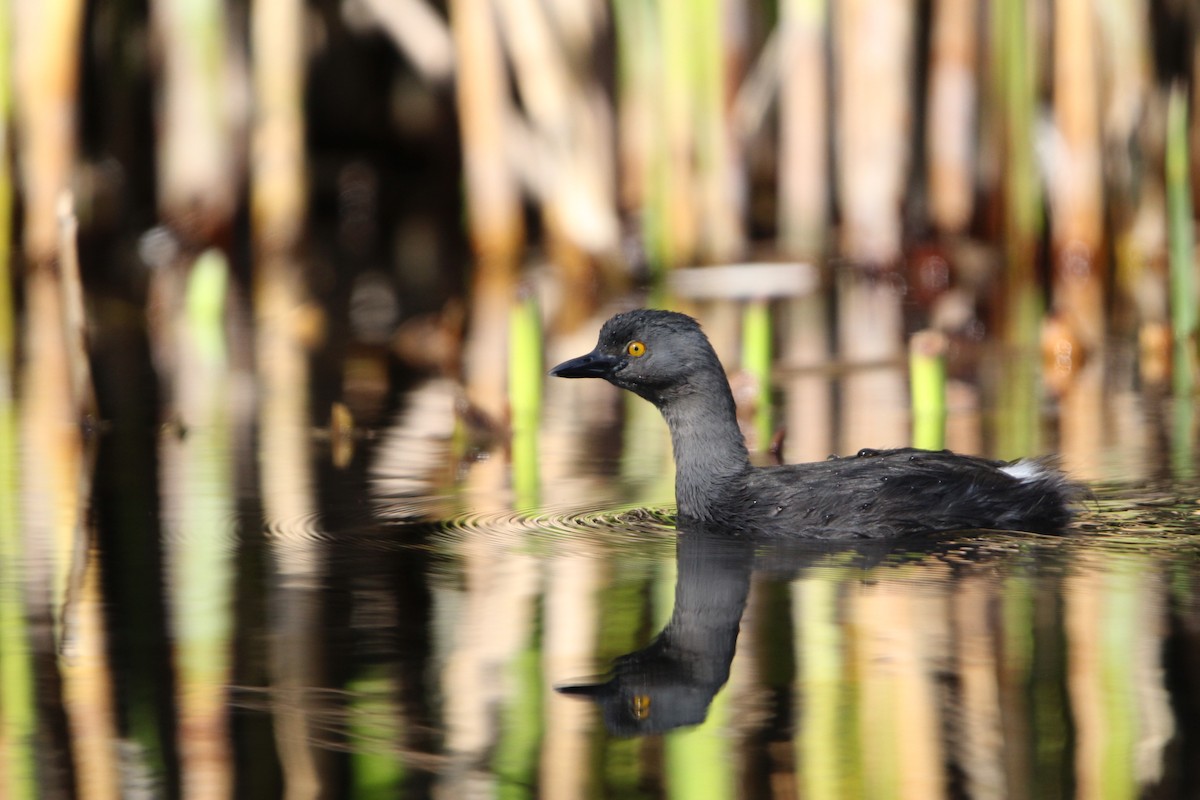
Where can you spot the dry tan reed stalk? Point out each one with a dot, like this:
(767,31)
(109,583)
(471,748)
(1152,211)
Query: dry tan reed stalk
(492,196)
(804,128)
(674,185)
(277,169)
(8,323)
(74,320)
(197,156)
(88,688)
(1075,184)
(419,33)
(568,160)
(91,717)
(494,215)
(953,100)
(718,34)
(635,102)
(46,48)
(873,49)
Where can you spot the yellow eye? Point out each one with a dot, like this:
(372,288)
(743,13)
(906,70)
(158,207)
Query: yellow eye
(640,706)
(635,349)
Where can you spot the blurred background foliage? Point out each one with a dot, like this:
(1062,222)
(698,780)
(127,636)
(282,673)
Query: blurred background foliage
(406,163)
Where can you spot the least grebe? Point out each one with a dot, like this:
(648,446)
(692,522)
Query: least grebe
(664,357)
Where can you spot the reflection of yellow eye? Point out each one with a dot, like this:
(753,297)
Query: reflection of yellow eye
(640,706)
(636,349)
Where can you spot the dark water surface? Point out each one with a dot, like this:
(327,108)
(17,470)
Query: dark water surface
(252,620)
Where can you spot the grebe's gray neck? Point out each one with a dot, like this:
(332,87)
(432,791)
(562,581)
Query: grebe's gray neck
(709,447)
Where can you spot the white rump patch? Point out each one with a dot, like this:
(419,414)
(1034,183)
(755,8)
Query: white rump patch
(1025,470)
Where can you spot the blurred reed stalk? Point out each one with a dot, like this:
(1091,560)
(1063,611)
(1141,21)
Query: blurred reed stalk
(570,632)
(873,46)
(46,67)
(55,484)
(494,219)
(494,216)
(198,496)
(526,376)
(18,717)
(518,740)
(979,744)
(567,158)
(1013,68)
(1076,186)
(756,361)
(278,190)
(1101,623)
(286,326)
(1181,242)
(898,716)
(953,102)
(8,323)
(53,462)
(197,160)
(375,729)
(828,744)
(87,684)
(927,383)
(803,128)
(680,162)
(637,54)
(716,28)
(1134,194)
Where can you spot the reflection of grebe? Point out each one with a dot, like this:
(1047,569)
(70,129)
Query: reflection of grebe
(665,358)
(671,682)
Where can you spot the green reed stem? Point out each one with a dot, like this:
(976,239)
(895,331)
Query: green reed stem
(525,378)
(756,360)
(1015,68)
(17,714)
(204,304)
(18,717)
(516,759)
(376,734)
(1181,242)
(927,381)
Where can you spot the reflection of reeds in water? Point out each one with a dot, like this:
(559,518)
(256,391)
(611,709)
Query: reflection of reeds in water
(873,712)
(1119,703)
(826,761)
(17,718)
(697,761)
(198,498)
(56,473)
